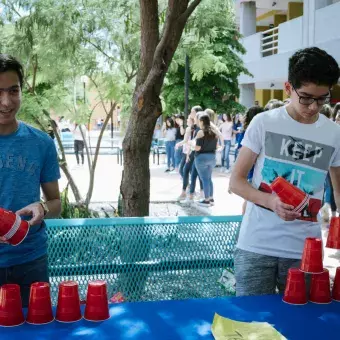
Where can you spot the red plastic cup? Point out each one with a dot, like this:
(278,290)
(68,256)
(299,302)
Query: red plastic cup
(290,194)
(336,286)
(40,305)
(295,292)
(12,228)
(68,309)
(10,306)
(97,306)
(320,291)
(312,256)
(333,239)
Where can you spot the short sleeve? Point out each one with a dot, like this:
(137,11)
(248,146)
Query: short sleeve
(50,170)
(253,138)
(199,141)
(336,159)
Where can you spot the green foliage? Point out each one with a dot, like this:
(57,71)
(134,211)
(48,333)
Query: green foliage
(211,41)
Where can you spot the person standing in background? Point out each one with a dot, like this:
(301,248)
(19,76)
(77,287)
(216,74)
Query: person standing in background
(180,131)
(227,133)
(79,134)
(169,133)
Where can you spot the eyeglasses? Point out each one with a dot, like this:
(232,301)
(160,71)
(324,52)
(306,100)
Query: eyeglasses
(309,100)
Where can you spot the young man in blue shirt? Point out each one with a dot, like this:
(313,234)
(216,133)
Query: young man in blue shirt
(28,163)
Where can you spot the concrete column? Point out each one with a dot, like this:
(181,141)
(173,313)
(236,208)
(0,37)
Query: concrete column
(247,95)
(248,18)
(308,36)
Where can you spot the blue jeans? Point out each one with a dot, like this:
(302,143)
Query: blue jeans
(205,163)
(182,164)
(178,154)
(193,178)
(170,152)
(24,275)
(226,153)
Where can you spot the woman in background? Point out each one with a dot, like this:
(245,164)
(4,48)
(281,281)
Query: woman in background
(169,133)
(205,159)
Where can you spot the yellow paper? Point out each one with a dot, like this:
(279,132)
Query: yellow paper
(227,329)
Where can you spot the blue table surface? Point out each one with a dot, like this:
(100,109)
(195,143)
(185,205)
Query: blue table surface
(191,320)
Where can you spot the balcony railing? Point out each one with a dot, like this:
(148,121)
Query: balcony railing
(269,42)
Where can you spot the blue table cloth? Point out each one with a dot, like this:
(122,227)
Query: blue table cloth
(191,320)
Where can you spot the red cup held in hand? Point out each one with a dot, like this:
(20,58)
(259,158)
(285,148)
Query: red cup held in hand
(12,228)
(336,286)
(97,306)
(295,292)
(40,305)
(10,306)
(312,256)
(333,239)
(68,309)
(320,291)
(290,194)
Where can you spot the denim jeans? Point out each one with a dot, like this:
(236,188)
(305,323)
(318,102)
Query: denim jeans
(193,178)
(24,275)
(205,163)
(178,154)
(182,164)
(187,170)
(226,153)
(170,152)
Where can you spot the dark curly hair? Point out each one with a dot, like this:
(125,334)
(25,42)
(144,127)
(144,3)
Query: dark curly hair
(313,65)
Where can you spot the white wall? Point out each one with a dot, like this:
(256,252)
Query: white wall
(290,35)
(327,23)
(252,44)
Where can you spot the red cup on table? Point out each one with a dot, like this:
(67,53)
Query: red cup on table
(333,239)
(336,286)
(320,290)
(68,309)
(40,305)
(12,228)
(312,256)
(97,306)
(290,194)
(10,306)
(295,292)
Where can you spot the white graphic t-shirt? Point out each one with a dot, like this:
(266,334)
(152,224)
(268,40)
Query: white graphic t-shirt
(301,154)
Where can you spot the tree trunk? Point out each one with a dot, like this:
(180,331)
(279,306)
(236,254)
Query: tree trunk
(156,56)
(63,162)
(94,163)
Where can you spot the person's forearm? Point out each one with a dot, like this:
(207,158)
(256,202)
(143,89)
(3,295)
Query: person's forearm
(54,207)
(241,187)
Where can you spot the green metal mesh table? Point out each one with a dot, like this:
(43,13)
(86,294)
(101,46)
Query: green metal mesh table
(146,259)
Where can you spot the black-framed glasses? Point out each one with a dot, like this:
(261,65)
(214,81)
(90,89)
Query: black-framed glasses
(309,100)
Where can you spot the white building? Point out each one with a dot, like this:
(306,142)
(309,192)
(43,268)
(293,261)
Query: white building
(273,31)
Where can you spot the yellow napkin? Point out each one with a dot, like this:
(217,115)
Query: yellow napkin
(227,329)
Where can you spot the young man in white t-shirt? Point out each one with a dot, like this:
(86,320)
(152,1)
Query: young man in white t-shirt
(300,145)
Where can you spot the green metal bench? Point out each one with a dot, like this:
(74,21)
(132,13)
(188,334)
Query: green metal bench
(144,258)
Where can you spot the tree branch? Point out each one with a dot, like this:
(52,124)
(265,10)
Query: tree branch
(100,95)
(190,9)
(35,69)
(100,50)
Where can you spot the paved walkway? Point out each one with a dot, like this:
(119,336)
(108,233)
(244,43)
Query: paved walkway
(165,187)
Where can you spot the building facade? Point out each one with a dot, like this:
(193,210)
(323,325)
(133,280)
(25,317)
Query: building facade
(272,31)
